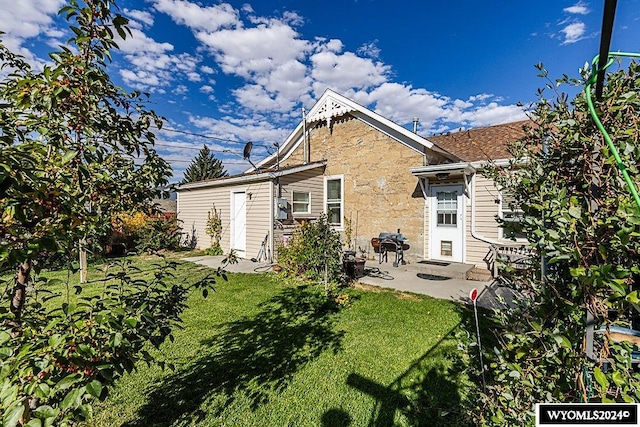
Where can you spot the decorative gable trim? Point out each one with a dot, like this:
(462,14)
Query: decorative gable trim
(326,110)
(331,105)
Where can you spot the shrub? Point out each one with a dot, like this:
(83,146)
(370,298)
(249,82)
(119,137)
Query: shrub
(146,233)
(214,231)
(584,225)
(314,252)
(158,233)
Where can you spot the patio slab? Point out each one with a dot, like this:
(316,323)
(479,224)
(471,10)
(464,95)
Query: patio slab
(401,278)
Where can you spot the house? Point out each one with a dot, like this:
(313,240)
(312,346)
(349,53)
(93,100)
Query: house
(369,175)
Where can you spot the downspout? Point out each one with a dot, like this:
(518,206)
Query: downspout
(473,215)
(304,137)
(271,222)
(424,208)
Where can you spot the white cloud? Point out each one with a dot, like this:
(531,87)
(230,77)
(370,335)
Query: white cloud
(192,76)
(573,32)
(577,9)
(257,98)
(206,89)
(180,90)
(139,43)
(199,18)
(138,16)
(25,19)
(480,97)
(289,80)
(485,115)
(140,78)
(401,103)
(369,50)
(154,62)
(243,130)
(343,72)
(207,70)
(258,50)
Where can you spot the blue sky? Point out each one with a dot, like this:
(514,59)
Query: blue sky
(242,71)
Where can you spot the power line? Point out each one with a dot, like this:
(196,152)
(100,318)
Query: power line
(188,147)
(217,138)
(234,162)
(225,151)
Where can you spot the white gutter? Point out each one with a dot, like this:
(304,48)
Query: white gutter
(451,168)
(243,179)
(478,165)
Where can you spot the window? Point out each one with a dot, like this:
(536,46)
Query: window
(301,202)
(334,193)
(447,209)
(446,248)
(512,216)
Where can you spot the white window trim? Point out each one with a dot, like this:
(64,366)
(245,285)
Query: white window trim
(308,211)
(501,215)
(339,227)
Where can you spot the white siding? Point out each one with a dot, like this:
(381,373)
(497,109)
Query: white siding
(307,181)
(486,226)
(195,204)
(427,218)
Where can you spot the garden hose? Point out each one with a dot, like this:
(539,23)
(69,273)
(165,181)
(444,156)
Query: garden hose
(592,79)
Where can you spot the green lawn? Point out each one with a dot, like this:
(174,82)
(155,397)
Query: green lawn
(261,351)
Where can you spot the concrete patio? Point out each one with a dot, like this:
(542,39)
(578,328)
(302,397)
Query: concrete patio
(436,283)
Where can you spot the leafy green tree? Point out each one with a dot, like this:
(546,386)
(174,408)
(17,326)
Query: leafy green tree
(74,149)
(582,221)
(204,166)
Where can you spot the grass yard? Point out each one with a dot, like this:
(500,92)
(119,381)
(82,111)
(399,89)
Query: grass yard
(263,351)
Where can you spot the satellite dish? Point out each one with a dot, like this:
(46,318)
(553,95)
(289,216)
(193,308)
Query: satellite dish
(246,153)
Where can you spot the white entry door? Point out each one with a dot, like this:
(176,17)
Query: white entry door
(239,223)
(446,222)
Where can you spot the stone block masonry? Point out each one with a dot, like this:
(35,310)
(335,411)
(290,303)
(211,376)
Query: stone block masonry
(379,190)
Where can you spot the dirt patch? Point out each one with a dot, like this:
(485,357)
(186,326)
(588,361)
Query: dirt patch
(411,297)
(369,288)
(377,289)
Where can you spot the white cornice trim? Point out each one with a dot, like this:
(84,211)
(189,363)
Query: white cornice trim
(243,179)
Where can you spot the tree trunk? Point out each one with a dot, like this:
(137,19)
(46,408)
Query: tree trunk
(19,291)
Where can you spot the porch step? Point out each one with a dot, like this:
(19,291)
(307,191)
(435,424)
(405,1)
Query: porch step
(479,275)
(454,270)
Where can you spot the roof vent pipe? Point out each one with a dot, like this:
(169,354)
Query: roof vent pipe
(415,125)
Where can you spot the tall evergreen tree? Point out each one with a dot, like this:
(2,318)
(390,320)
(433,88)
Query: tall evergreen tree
(204,166)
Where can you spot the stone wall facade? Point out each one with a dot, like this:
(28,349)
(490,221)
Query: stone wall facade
(380,193)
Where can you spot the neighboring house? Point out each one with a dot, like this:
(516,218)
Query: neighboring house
(166,202)
(364,170)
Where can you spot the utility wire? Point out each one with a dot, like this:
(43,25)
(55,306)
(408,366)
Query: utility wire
(233,141)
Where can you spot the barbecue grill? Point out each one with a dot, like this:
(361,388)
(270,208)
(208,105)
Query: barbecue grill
(386,241)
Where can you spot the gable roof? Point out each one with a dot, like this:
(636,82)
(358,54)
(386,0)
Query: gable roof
(332,105)
(481,144)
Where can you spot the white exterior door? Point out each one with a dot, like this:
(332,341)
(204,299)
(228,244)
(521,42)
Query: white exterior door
(446,222)
(239,223)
